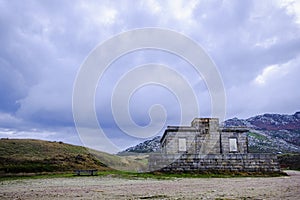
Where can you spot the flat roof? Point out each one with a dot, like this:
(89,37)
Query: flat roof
(178,128)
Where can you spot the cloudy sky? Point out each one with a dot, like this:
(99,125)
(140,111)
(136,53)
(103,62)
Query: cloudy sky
(255,46)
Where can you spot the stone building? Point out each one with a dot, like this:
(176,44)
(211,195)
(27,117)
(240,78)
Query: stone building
(206,146)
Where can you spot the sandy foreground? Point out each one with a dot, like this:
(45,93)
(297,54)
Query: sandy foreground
(180,188)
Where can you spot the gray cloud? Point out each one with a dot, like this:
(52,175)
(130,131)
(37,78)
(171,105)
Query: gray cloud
(254,44)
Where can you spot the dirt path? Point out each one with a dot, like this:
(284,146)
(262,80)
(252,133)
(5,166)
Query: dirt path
(116,188)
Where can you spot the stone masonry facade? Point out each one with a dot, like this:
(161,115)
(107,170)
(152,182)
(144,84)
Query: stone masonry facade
(205,146)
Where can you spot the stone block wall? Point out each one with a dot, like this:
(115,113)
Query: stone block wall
(171,143)
(241,138)
(206,124)
(208,143)
(214,162)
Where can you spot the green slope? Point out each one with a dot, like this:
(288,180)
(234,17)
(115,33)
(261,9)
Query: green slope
(34,156)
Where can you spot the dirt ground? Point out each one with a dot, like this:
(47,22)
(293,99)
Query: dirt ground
(180,188)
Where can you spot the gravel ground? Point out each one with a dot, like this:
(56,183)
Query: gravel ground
(181,188)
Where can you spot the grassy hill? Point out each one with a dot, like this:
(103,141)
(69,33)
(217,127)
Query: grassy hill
(35,156)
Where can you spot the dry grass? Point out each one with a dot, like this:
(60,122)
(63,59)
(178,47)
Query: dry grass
(36,156)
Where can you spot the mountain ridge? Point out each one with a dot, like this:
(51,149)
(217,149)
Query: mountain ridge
(269,133)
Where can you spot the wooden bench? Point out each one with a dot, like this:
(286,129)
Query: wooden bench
(90,172)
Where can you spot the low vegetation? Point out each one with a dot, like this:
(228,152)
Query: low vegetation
(147,175)
(289,161)
(131,163)
(37,156)
(34,156)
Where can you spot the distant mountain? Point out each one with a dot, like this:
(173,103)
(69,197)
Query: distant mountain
(268,133)
(270,122)
(271,132)
(148,146)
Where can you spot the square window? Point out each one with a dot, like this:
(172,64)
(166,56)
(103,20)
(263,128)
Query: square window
(182,144)
(233,145)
